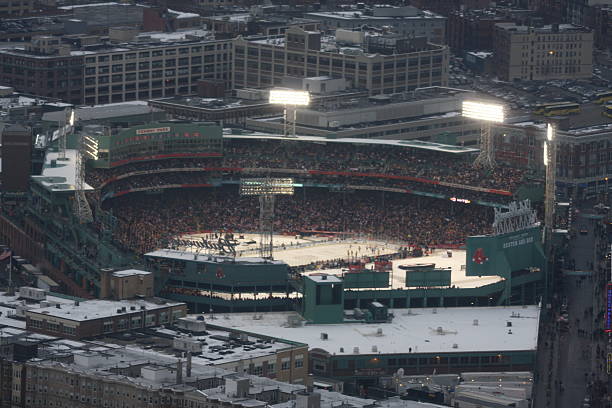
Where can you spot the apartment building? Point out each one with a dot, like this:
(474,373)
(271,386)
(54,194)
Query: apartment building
(62,373)
(152,65)
(405,20)
(379,63)
(558,51)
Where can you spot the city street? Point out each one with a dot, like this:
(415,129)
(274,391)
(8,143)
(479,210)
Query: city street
(567,359)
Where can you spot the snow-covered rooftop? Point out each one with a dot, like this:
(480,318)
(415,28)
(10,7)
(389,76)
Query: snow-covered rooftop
(7,320)
(110,110)
(59,175)
(182,14)
(98,309)
(130,272)
(423,330)
(217,349)
(418,144)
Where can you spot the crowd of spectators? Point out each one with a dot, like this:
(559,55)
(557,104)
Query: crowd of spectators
(390,160)
(158,180)
(144,223)
(172,179)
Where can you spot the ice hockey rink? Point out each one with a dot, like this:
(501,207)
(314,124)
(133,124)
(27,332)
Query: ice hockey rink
(296,251)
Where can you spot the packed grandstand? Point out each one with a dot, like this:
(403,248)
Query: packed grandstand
(416,196)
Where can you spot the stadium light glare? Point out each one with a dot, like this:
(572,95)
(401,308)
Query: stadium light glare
(91,147)
(545,153)
(284,97)
(487,112)
(550,132)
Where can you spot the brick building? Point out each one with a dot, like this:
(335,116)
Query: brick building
(58,75)
(102,317)
(471,30)
(584,155)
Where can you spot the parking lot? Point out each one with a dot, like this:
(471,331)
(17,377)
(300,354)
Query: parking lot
(520,97)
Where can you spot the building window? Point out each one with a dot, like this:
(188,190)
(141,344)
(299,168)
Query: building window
(136,321)
(108,326)
(163,317)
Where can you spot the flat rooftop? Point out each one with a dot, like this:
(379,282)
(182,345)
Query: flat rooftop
(209,104)
(424,330)
(416,144)
(217,347)
(360,15)
(266,19)
(107,111)
(98,309)
(176,36)
(547,29)
(7,321)
(157,39)
(589,130)
(130,272)
(14,300)
(109,3)
(416,96)
(330,45)
(59,175)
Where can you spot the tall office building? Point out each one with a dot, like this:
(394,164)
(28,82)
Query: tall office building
(379,63)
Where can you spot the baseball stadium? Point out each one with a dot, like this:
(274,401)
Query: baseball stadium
(238,222)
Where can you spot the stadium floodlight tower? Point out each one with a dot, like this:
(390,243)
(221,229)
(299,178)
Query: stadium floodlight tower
(87,149)
(267,189)
(550,161)
(487,114)
(289,98)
